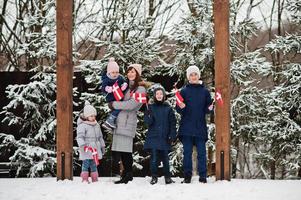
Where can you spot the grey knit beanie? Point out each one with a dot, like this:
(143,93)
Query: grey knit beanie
(89,110)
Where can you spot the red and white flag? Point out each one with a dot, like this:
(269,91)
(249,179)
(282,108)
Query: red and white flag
(179,98)
(218,98)
(140,97)
(94,154)
(117,92)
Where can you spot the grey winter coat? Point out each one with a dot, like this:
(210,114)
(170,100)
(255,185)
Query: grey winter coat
(89,135)
(126,122)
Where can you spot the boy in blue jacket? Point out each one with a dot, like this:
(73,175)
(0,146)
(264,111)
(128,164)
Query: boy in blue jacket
(193,128)
(161,122)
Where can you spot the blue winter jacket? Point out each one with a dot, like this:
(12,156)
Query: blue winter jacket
(106,81)
(197,100)
(161,123)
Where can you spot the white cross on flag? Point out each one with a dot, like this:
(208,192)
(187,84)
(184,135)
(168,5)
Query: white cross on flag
(94,153)
(179,98)
(117,92)
(140,97)
(218,97)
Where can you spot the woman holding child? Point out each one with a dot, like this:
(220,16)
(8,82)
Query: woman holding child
(126,121)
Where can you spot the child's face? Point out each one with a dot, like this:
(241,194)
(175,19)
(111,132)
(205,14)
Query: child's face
(91,118)
(114,74)
(159,95)
(193,78)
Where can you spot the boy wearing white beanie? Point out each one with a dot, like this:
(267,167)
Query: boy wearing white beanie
(108,80)
(193,128)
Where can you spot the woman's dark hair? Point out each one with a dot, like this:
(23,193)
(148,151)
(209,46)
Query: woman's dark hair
(137,80)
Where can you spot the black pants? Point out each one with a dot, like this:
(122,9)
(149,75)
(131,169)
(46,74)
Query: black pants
(126,159)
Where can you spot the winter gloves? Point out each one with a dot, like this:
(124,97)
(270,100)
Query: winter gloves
(109,89)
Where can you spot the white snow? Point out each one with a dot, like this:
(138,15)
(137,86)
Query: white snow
(139,188)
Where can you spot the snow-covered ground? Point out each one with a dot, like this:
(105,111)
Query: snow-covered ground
(237,189)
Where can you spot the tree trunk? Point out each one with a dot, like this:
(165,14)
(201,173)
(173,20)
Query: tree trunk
(273,170)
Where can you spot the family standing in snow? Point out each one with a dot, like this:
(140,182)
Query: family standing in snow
(160,118)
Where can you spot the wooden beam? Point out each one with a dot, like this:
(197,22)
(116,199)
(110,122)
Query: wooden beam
(64,109)
(222,83)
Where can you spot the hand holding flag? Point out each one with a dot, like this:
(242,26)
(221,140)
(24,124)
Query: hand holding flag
(218,98)
(117,92)
(94,153)
(179,98)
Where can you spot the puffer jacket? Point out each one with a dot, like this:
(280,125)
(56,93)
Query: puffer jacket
(161,122)
(89,134)
(193,121)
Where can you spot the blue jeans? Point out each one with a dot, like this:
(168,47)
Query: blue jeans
(154,161)
(188,142)
(89,163)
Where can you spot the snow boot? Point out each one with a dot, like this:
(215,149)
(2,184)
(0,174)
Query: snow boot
(187,179)
(85,177)
(154,180)
(94,176)
(111,121)
(125,179)
(202,180)
(168,180)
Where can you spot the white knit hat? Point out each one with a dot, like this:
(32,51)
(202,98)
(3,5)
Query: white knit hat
(89,110)
(112,66)
(137,67)
(192,69)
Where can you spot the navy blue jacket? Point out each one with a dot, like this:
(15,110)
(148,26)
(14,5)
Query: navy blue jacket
(161,123)
(197,100)
(106,81)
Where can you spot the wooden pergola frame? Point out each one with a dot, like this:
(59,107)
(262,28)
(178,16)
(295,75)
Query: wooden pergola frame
(64,98)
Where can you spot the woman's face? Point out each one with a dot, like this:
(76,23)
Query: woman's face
(131,74)
(159,95)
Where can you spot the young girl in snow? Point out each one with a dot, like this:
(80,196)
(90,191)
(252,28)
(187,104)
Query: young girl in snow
(90,142)
(161,122)
(108,80)
(193,128)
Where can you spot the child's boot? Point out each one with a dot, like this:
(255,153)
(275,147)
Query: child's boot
(85,177)
(94,176)
(110,123)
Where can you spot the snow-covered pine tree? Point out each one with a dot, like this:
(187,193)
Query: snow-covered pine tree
(35,150)
(280,133)
(193,42)
(250,72)
(34,145)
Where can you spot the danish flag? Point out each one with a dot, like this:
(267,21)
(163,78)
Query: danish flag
(218,97)
(179,98)
(94,153)
(117,92)
(140,97)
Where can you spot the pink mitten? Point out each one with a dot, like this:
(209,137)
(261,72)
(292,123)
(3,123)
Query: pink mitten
(210,107)
(124,86)
(108,89)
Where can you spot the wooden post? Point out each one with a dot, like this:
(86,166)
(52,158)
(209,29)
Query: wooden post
(222,83)
(64,71)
